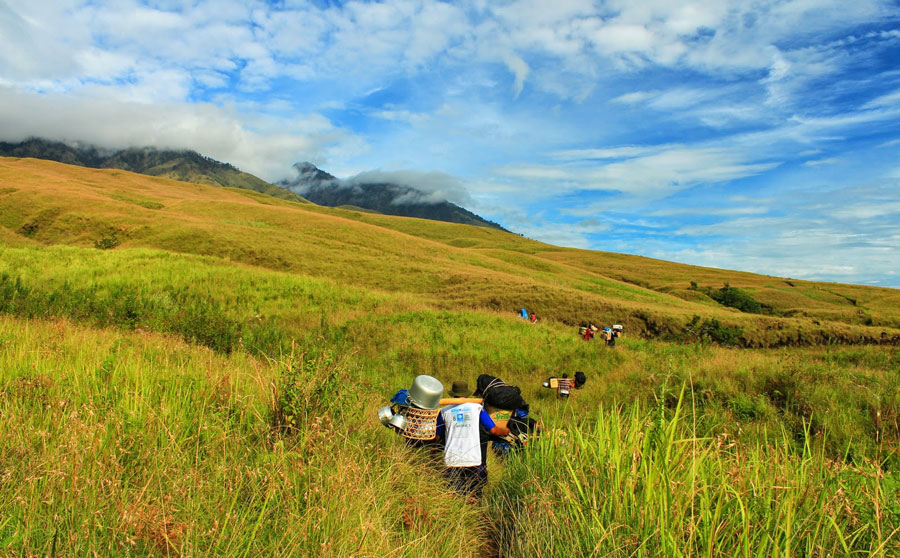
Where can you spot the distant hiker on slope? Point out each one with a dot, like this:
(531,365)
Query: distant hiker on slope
(533,318)
(586,331)
(523,313)
(610,337)
(565,384)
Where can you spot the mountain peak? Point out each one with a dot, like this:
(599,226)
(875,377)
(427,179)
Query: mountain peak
(309,173)
(375,192)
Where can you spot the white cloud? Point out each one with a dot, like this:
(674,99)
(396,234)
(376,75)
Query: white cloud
(712,211)
(850,234)
(889,100)
(648,173)
(820,162)
(609,153)
(634,97)
(520,70)
(436,186)
(256,144)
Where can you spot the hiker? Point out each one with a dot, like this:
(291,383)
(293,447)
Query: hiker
(464,429)
(587,332)
(523,313)
(533,318)
(610,337)
(565,384)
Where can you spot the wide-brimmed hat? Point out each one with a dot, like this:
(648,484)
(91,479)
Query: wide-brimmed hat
(460,388)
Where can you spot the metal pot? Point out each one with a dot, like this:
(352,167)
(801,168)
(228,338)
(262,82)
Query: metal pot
(426,392)
(398,421)
(384,415)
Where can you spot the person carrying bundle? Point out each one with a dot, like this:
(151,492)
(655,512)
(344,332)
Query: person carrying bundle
(586,332)
(610,337)
(460,427)
(564,385)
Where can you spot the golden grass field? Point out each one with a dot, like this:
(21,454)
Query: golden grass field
(444,264)
(188,370)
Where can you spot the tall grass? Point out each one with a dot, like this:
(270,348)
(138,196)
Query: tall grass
(126,444)
(632,483)
(204,300)
(146,421)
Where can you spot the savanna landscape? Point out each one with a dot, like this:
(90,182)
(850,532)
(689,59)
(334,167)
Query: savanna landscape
(191,370)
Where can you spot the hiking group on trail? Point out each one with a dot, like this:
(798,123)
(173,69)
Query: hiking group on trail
(587,330)
(461,427)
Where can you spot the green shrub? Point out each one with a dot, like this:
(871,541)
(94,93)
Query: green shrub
(195,317)
(108,242)
(733,297)
(306,389)
(715,331)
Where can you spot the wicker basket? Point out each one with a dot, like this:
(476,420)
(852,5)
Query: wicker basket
(421,424)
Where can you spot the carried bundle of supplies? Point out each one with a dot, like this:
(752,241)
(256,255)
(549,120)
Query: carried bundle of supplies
(498,394)
(413,412)
(521,429)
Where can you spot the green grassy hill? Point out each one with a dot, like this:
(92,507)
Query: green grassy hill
(185,165)
(188,370)
(447,265)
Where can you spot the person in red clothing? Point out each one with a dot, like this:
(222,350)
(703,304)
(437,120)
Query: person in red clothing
(588,333)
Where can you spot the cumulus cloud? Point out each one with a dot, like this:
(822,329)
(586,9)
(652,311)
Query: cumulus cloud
(404,186)
(262,146)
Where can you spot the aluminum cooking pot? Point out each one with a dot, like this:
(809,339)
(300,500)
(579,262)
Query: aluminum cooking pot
(398,421)
(426,392)
(384,415)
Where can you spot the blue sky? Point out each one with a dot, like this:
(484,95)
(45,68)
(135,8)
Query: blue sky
(753,135)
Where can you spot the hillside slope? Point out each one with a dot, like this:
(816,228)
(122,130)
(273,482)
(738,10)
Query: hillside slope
(188,166)
(441,265)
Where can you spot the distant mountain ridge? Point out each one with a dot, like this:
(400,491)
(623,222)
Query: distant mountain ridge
(388,198)
(186,165)
(310,185)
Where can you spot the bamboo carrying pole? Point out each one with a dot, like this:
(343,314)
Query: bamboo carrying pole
(458,400)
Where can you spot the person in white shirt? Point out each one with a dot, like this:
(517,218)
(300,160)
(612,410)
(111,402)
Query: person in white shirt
(459,426)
